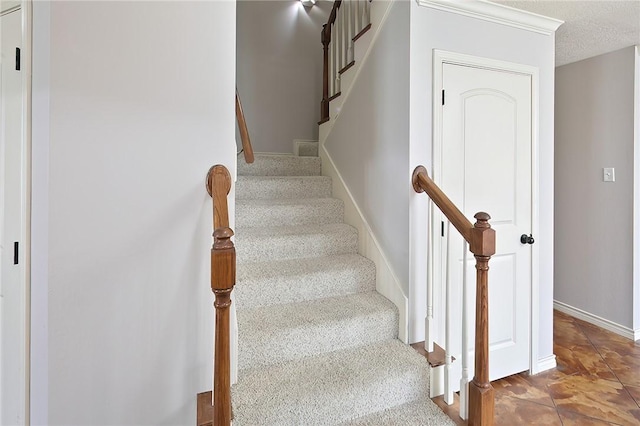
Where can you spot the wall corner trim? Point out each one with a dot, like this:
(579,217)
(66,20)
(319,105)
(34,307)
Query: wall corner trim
(497,13)
(597,321)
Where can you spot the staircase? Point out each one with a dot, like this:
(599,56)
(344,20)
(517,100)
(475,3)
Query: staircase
(317,344)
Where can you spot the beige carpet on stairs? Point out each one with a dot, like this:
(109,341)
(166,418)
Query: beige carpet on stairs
(317,344)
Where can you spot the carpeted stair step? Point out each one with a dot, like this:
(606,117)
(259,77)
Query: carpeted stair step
(261,244)
(331,388)
(281,165)
(279,333)
(296,187)
(318,211)
(289,281)
(417,413)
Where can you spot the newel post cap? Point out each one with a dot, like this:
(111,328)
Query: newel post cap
(483,238)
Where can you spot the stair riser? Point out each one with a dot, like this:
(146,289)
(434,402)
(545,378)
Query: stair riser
(309,149)
(281,165)
(253,293)
(257,349)
(274,247)
(293,187)
(318,213)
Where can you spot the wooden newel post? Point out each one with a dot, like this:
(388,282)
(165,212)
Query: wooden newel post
(223,278)
(324,104)
(481,398)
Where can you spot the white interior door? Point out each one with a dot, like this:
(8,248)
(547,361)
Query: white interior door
(13,316)
(486,165)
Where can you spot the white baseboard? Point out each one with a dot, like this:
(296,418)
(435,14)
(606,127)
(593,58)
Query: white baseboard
(387,282)
(613,327)
(546,363)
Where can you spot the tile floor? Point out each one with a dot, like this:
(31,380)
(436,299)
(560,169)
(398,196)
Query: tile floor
(597,382)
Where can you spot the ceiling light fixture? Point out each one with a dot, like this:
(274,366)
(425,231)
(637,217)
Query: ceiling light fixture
(308,3)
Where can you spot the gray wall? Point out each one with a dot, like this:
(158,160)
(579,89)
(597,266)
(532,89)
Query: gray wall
(594,238)
(369,143)
(131,108)
(279,70)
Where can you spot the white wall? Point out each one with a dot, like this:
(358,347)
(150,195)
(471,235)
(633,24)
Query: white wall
(369,142)
(594,219)
(133,102)
(435,29)
(279,70)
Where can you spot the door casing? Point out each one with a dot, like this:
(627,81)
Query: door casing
(25,9)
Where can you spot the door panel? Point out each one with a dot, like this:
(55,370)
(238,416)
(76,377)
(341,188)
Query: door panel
(486,166)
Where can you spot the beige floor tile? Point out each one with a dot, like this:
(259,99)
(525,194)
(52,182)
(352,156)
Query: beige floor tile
(594,397)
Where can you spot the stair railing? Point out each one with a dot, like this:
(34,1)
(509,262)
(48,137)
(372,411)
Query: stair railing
(223,278)
(348,20)
(481,239)
(244,131)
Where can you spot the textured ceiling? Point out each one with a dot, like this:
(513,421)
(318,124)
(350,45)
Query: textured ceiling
(591,28)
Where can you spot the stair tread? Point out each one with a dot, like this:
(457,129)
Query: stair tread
(331,309)
(288,202)
(415,413)
(274,187)
(295,280)
(281,212)
(297,267)
(281,165)
(274,334)
(284,231)
(331,388)
(293,242)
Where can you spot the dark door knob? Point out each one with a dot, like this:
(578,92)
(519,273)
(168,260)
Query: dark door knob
(527,239)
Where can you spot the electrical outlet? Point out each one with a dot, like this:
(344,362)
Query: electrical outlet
(609,174)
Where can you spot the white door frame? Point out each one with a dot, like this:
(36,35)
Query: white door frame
(439,58)
(25,7)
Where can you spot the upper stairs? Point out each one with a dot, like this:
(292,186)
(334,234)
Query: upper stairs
(317,345)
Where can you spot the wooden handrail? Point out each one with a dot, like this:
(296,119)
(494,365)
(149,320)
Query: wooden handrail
(482,243)
(422,182)
(223,278)
(244,131)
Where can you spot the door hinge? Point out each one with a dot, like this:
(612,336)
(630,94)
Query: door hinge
(16,249)
(442,229)
(17,59)
(442,96)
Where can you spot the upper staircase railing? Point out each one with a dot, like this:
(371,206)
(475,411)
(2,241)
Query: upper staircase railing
(223,278)
(244,132)
(482,242)
(349,19)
